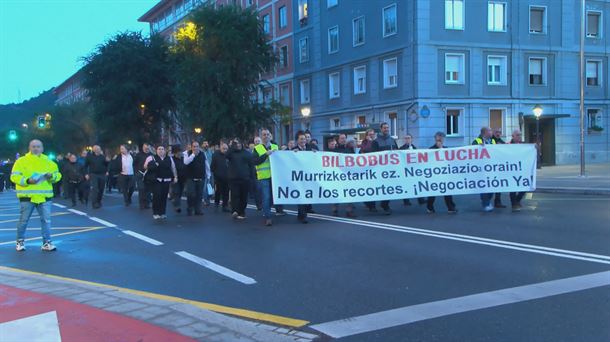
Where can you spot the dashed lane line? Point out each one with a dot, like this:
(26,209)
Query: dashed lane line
(217,268)
(143,238)
(104,222)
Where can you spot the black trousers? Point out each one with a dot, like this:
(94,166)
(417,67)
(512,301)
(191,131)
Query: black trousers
(194,195)
(127,186)
(516,197)
(160,192)
(448,202)
(497,198)
(144,191)
(74,188)
(177,189)
(97,188)
(302,211)
(239,195)
(222,191)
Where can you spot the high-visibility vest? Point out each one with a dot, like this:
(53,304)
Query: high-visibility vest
(30,166)
(263,170)
(480,141)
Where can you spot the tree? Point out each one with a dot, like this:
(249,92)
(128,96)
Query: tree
(128,82)
(219,56)
(72,127)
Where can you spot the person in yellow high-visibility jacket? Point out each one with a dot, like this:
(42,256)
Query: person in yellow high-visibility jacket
(34,175)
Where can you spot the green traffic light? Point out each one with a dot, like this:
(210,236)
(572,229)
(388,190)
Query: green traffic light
(12,136)
(52,156)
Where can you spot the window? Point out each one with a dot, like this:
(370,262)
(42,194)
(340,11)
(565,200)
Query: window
(331,3)
(358,31)
(496,118)
(334,86)
(593,73)
(389,20)
(303,9)
(537,68)
(594,120)
(453,121)
(537,19)
(283,18)
(393,122)
(361,120)
(249,3)
(333,39)
(304,88)
(496,70)
(496,21)
(360,80)
(593,24)
(267,96)
(390,73)
(304,50)
(285,95)
(335,123)
(266,23)
(454,14)
(454,68)
(284,56)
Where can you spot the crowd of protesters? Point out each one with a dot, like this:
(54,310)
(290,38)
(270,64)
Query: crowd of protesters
(230,174)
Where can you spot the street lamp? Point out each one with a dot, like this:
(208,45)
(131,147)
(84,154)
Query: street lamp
(129,142)
(198,130)
(537,113)
(142,108)
(24,125)
(305,112)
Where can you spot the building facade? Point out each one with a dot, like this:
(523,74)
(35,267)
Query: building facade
(167,16)
(70,90)
(454,66)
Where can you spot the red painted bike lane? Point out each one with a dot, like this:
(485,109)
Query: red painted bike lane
(75,321)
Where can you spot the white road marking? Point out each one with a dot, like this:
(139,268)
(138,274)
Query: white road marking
(37,328)
(105,223)
(415,313)
(143,238)
(59,205)
(217,268)
(77,212)
(563,253)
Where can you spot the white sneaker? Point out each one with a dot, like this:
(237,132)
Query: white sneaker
(48,246)
(20,246)
(163,216)
(489,208)
(156,217)
(235,214)
(239,217)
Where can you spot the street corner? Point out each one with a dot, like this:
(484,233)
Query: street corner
(32,316)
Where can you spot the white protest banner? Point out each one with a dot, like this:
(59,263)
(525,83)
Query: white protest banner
(325,177)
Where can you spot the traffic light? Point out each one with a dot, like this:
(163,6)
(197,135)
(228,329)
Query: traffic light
(42,121)
(51,156)
(12,135)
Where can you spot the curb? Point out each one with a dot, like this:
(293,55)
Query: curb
(574,191)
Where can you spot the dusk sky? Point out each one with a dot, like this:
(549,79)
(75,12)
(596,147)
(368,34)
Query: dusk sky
(42,41)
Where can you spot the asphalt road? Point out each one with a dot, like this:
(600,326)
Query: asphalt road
(333,269)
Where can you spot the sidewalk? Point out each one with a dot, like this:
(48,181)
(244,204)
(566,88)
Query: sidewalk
(76,310)
(566,179)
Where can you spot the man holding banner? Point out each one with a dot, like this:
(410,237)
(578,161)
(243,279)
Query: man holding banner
(385,142)
(262,163)
(439,140)
(485,138)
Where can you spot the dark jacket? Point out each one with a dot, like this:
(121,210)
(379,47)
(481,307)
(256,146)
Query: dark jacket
(366,146)
(196,168)
(434,147)
(138,161)
(95,164)
(240,165)
(499,140)
(406,147)
(384,143)
(343,149)
(219,166)
(180,167)
(115,165)
(119,162)
(73,172)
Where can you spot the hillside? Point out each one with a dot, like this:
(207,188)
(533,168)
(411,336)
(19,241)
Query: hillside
(13,115)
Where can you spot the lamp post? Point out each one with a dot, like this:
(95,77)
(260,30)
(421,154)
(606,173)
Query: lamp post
(581,70)
(537,113)
(305,112)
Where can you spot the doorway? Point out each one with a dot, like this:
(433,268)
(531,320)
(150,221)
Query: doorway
(547,138)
